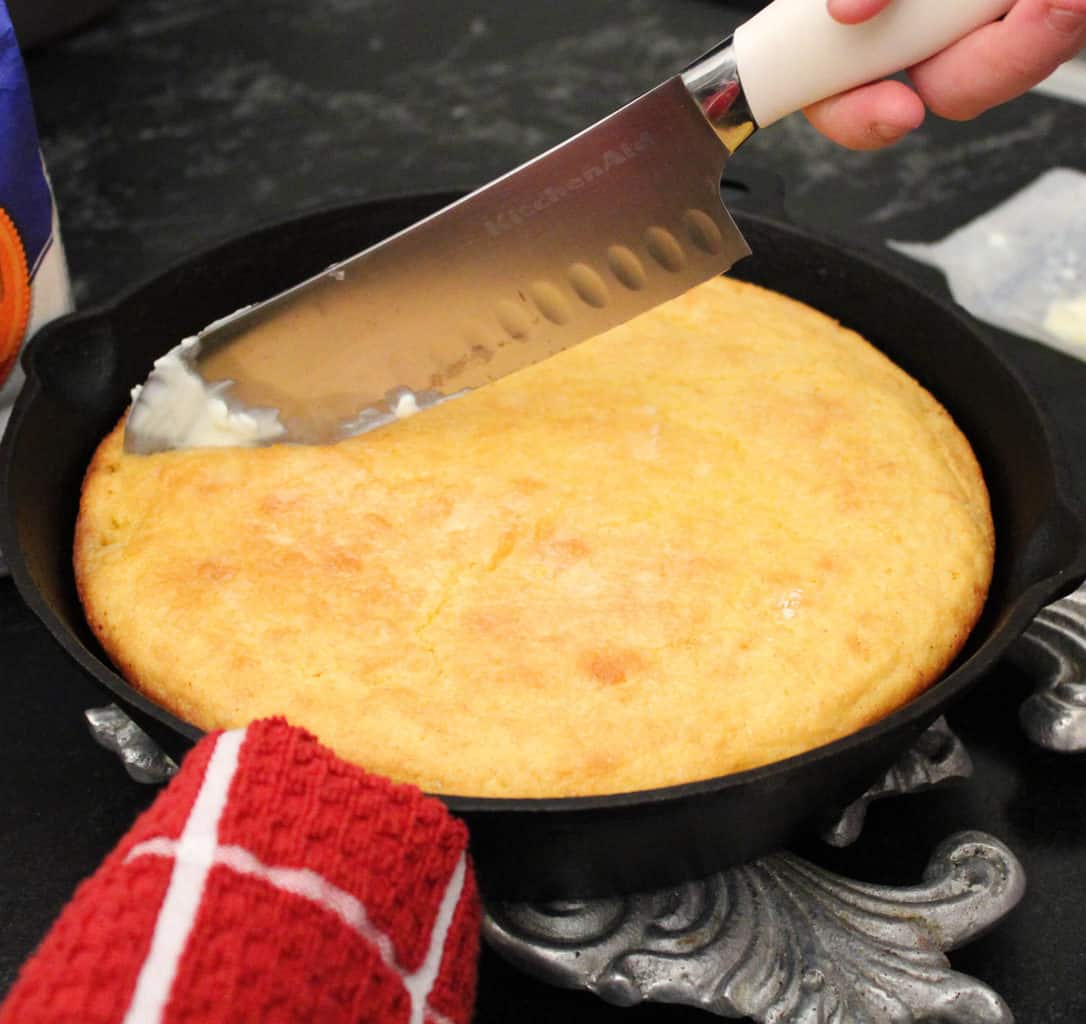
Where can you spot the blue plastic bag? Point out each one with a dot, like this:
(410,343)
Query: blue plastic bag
(34,285)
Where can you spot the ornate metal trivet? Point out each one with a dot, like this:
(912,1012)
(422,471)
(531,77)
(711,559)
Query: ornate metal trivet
(784,941)
(143,759)
(1053,651)
(778,939)
(937,757)
(781,940)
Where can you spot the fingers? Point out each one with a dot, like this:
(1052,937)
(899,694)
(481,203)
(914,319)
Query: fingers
(849,12)
(1001,60)
(988,67)
(870,117)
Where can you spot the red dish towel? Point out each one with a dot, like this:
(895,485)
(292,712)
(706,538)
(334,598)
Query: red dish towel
(269,882)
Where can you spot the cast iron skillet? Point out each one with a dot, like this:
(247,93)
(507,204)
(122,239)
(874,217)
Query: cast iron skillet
(81,368)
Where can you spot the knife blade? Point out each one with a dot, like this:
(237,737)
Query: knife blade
(611,223)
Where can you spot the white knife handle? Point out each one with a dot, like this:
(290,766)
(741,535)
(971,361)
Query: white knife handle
(792,53)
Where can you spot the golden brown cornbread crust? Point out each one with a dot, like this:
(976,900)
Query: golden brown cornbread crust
(717,536)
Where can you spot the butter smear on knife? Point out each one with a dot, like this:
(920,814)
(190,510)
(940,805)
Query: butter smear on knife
(179,409)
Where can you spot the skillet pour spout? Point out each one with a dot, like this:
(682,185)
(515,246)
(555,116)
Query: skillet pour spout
(80,370)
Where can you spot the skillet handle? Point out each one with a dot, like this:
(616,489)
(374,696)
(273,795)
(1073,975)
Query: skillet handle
(792,53)
(1054,560)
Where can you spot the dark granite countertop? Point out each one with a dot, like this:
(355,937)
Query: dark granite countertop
(168,126)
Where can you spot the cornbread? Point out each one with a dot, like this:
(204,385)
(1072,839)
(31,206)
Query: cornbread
(722,534)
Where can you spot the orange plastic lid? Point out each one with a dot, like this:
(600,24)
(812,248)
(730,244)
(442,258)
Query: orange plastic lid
(14,294)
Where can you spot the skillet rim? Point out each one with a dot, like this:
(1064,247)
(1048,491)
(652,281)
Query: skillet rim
(1022,608)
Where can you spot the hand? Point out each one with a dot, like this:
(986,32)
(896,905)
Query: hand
(994,64)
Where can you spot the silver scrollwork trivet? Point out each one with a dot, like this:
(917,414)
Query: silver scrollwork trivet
(1053,651)
(143,759)
(781,941)
(937,757)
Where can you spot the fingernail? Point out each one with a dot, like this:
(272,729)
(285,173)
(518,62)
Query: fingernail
(889,132)
(1068,17)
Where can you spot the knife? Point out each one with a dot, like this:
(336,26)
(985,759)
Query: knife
(620,218)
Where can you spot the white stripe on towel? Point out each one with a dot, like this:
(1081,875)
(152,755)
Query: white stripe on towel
(195,853)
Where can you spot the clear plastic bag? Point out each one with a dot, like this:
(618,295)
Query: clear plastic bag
(1022,265)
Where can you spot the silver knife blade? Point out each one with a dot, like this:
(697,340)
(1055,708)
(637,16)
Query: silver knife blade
(620,218)
(613,222)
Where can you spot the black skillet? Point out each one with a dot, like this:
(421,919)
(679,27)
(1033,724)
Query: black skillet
(79,373)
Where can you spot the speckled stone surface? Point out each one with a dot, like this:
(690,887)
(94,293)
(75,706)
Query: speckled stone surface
(171,125)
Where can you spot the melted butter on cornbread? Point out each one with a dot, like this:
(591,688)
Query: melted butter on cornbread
(676,551)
